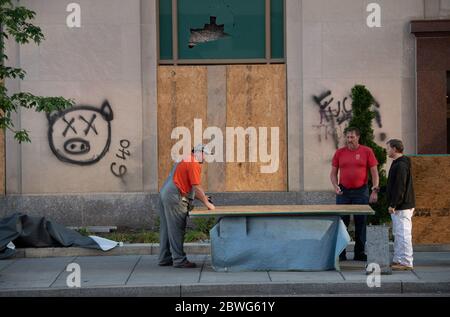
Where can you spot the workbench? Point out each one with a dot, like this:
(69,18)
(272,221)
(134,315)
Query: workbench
(279,237)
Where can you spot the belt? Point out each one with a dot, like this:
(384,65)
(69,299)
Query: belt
(352,189)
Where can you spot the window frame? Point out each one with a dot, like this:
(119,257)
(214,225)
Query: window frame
(208,61)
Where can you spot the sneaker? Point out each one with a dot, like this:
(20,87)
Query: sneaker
(360,257)
(401,267)
(186,265)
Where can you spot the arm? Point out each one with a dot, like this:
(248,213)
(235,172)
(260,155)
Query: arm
(200,195)
(375,177)
(194,173)
(399,186)
(375,182)
(334,180)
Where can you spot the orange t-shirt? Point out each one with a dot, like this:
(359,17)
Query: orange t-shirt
(187,174)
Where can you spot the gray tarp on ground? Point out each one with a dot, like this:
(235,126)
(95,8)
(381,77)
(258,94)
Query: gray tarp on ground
(26,231)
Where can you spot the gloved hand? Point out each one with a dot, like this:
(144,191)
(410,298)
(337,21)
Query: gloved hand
(189,203)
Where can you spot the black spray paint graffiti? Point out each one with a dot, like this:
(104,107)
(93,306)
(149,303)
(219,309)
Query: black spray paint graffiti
(334,117)
(122,170)
(80,135)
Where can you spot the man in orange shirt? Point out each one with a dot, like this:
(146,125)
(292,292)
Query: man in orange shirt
(182,184)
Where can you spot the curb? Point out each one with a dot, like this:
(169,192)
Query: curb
(126,249)
(245,289)
(153,249)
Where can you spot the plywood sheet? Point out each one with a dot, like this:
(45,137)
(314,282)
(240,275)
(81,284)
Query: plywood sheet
(431,177)
(256,97)
(182,97)
(431,227)
(264,210)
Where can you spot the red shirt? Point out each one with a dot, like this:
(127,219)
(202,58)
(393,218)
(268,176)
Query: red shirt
(353,165)
(187,174)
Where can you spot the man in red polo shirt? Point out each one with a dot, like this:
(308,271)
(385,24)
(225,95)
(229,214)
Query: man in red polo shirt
(353,162)
(182,185)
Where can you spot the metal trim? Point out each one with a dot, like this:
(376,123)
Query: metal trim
(175,31)
(268,31)
(223,61)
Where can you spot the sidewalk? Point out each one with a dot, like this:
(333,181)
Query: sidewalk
(153,248)
(139,275)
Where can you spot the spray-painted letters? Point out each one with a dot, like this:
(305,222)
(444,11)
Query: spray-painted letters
(335,116)
(122,170)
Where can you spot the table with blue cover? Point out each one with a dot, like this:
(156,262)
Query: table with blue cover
(279,237)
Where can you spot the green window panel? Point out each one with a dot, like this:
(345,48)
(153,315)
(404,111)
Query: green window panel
(277,28)
(165,29)
(221,29)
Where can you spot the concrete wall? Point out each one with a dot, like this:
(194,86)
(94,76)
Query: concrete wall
(340,50)
(135,210)
(112,57)
(97,62)
(437,9)
(444,8)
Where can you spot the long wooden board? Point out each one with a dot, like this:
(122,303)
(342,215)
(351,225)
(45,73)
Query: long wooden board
(265,210)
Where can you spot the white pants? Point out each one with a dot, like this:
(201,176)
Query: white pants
(402,227)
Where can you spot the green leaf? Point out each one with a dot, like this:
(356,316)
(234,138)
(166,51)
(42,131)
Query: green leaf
(22,136)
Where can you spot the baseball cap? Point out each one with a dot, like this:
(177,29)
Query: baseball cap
(201,148)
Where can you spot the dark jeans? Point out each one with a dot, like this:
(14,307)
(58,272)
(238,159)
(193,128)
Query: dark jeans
(358,196)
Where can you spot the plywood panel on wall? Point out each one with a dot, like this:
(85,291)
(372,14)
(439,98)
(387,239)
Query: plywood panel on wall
(249,96)
(431,221)
(256,97)
(182,96)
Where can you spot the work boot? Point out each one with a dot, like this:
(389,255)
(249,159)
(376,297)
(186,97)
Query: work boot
(166,264)
(360,257)
(401,267)
(186,265)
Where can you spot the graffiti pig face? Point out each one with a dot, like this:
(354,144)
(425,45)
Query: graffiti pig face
(80,135)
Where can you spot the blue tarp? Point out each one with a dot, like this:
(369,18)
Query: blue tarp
(283,243)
